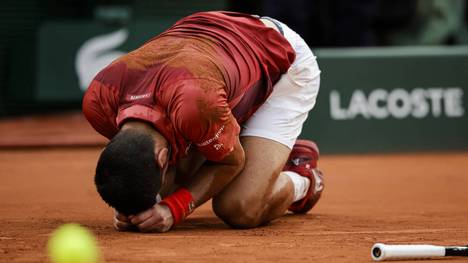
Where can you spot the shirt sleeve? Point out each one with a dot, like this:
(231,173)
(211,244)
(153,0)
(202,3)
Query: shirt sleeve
(203,116)
(100,108)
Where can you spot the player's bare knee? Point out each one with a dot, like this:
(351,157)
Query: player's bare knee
(238,213)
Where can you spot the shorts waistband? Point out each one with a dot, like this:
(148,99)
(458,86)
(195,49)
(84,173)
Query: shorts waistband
(274,21)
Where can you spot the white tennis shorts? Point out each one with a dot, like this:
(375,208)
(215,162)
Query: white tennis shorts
(282,115)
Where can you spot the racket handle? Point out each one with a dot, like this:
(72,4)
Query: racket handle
(382,252)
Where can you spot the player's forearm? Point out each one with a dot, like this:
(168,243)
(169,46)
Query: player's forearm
(211,178)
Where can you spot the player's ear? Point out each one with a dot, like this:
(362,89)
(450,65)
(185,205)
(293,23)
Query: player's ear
(162,157)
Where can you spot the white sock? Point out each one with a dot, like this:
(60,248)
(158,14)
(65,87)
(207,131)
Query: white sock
(301,185)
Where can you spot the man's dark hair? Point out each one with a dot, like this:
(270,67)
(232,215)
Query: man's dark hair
(127,176)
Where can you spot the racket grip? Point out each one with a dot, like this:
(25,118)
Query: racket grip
(382,252)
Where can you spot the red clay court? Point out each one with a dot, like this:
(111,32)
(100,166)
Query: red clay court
(46,173)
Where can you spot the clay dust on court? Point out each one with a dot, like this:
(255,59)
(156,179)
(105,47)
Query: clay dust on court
(391,198)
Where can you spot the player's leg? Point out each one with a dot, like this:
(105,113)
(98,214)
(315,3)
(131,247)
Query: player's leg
(261,192)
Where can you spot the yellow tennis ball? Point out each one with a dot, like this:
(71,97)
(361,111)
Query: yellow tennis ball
(72,243)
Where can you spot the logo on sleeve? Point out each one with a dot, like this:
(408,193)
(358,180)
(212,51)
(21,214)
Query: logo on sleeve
(209,141)
(218,146)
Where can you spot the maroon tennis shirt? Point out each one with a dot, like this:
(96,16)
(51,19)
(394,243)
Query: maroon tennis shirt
(195,83)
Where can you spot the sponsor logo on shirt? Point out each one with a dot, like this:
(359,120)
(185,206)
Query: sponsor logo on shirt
(218,133)
(139,97)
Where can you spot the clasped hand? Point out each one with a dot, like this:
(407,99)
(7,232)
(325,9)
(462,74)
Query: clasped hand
(156,219)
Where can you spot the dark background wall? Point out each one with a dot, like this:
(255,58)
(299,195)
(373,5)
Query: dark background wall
(361,47)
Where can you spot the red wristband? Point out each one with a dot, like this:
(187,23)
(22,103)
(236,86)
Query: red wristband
(180,203)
